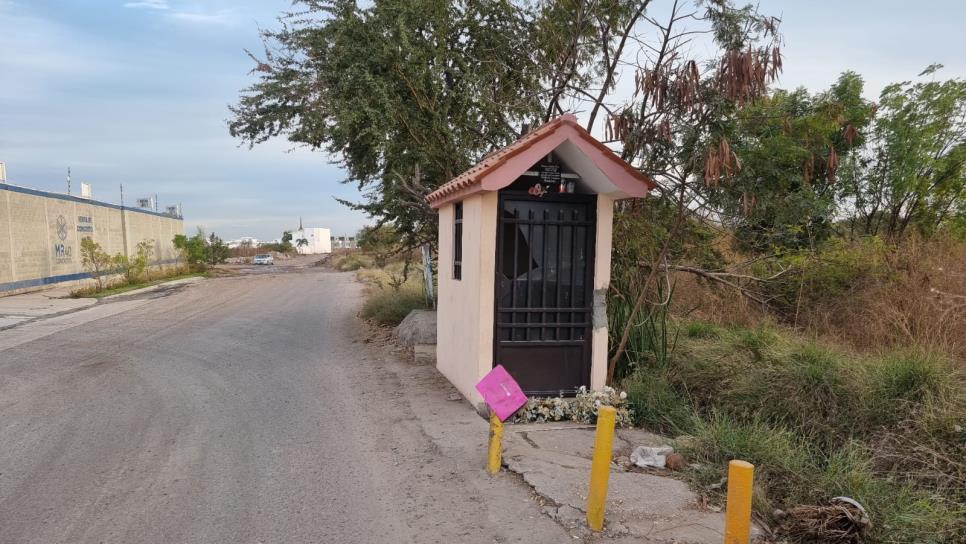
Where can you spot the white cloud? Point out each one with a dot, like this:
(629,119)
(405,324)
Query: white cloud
(221,17)
(149,4)
(224,17)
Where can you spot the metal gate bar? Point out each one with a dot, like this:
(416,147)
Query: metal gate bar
(547,299)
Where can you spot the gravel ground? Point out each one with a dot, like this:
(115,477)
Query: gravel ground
(244,409)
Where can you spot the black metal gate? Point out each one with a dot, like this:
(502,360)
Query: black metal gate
(544,290)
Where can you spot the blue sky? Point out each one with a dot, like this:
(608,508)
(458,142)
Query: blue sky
(136,92)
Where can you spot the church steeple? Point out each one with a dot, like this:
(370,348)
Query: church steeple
(300,223)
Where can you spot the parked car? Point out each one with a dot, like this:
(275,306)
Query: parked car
(263,258)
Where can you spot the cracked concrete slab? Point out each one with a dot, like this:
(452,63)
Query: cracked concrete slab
(554,459)
(41,328)
(34,315)
(18,308)
(11,320)
(578,439)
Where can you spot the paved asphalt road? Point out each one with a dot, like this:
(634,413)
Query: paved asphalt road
(241,410)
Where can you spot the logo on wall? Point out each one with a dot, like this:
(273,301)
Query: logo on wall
(61,228)
(62,251)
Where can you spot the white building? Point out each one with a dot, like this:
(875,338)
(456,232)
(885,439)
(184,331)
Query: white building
(344,242)
(319,240)
(243,241)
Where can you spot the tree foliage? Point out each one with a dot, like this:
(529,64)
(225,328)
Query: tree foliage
(674,126)
(95,260)
(783,194)
(911,171)
(200,251)
(284,246)
(404,94)
(133,267)
(382,242)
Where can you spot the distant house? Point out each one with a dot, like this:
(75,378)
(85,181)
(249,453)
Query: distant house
(344,242)
(318,240)
(248,241)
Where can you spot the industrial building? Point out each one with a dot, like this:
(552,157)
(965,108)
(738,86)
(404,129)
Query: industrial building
(40,234)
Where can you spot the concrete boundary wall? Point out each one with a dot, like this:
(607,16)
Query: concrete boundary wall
(40,234)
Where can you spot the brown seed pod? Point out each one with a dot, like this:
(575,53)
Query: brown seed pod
(833,164)
(850,134)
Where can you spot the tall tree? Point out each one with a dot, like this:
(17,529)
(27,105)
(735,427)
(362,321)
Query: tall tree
(404,94)
(674,124)
(790,143)
(583,46)
(912,172)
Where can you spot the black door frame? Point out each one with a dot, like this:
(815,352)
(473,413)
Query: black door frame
(590,200)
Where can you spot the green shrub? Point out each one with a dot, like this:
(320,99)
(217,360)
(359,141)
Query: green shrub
(133,268)
(351,262)
(756,341)
(899,511)
(389,307)
(652,337)
(783,461)
(200,251)
(825,395)
(820,423)
(848,471)
(911,376)
(790,472)
(700,329)
(381,242)
(95,260)
(810,277)
(656,405)
(899,384)
(804,387)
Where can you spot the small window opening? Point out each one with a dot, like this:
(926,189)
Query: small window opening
(458,241)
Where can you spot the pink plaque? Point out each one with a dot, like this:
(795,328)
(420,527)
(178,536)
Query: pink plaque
(501,392)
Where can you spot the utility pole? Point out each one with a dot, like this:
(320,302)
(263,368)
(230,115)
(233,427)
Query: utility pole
(124,222)
(68,180)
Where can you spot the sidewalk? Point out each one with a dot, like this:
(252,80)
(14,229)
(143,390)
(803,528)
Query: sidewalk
(16,309)
(55,302)
(31,316)
(555,458)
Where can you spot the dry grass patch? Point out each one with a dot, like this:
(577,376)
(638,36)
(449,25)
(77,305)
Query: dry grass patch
(818,422)
(391,293)
(920,303)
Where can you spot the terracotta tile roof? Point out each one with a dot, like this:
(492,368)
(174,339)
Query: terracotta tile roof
(468,179)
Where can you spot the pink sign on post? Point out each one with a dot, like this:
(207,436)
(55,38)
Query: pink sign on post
(501,392)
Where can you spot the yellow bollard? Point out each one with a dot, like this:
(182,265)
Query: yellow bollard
(496,445)
(738,509)
(600,468)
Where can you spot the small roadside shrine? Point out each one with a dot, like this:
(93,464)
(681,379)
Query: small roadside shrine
(524,261)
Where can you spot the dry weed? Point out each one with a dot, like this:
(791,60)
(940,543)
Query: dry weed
(921,303)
